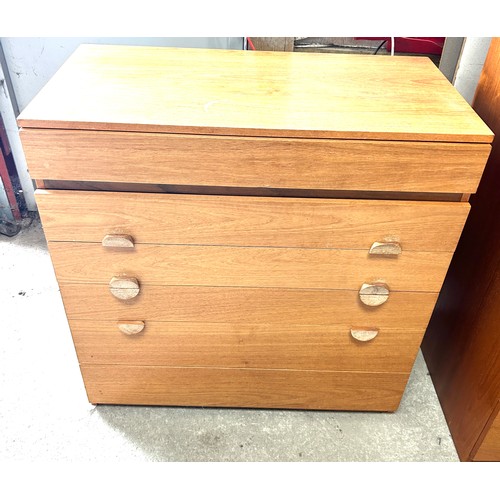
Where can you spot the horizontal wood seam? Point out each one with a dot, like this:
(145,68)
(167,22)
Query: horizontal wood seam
(487,140)
(242,368)
(106,283)
(334,249)
(301,325)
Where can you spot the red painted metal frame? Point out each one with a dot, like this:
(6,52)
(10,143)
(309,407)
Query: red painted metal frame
(4,173)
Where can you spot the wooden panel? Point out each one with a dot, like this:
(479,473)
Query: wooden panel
(247,305)
(489,450)
(279,346)
(132,187)
(254,161)
(254,93)
(248,266)
(461,346)
(469,383)
(233,220)
(155,385)
(273,43)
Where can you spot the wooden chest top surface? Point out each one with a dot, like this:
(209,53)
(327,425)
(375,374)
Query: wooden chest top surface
(274,94)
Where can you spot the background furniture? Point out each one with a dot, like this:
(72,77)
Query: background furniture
(462,344)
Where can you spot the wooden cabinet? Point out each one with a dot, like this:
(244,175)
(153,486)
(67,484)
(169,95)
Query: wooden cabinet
(462,345)
(248,229)
(488,448)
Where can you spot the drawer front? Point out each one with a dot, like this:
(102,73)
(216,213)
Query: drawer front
(199,160)
(248,266)
(203,304)
(325,390)
(245,345)
(250,221)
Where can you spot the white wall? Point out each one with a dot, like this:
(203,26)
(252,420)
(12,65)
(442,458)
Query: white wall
(470,66)
(31,62)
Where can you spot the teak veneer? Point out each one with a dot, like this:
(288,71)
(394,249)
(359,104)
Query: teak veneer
(250,229)
(462,344)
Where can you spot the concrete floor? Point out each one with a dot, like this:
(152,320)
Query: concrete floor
(45,415)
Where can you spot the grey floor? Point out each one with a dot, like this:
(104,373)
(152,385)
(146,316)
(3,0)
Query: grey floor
(45,415)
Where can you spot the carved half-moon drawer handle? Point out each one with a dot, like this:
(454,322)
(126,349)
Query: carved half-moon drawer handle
(124,288)
(385,248)
(364,334)
(131,327)
(118,241)
(373,294)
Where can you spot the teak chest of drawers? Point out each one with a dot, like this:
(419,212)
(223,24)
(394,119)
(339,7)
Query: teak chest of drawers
(250,229)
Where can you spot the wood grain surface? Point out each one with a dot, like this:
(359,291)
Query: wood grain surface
(248,266)
(462,345)
(220,387)
(250,221)
(245,345)
(254,161)
(374,294)
(118,241)
(489,449)
(252,305)
(254,93)
(131,327)
(273,43)
(468,381)
(365,335)
(124,287)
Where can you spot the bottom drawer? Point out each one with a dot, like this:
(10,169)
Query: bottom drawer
(245,345)
(227,387)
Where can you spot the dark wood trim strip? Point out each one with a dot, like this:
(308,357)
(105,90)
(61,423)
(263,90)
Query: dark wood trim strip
(236,191)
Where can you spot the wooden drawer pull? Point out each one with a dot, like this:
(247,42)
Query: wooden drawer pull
(364,334)
(385,248)
(373,294)
(124,288)
(131,327)
(118,241)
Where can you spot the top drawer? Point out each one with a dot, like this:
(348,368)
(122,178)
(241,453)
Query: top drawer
(88,216)
(203,160)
